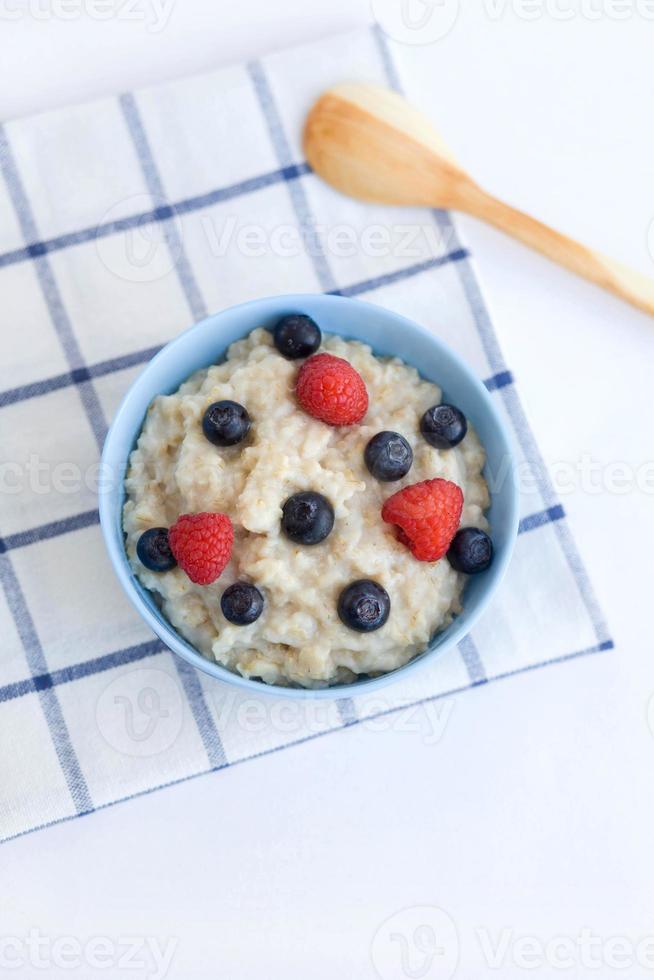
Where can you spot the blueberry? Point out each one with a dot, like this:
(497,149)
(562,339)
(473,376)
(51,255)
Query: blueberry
(471,551)
(364,605)
(307,518)
(241,603)
(388,456)
(296,336)
(153,550)
(443,426)
(226,423)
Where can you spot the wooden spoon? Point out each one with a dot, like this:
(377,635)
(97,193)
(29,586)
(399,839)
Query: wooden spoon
(370,143)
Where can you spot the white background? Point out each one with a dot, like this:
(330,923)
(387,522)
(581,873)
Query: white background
(534,811)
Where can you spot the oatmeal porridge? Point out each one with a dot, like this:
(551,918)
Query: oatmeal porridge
(291,541)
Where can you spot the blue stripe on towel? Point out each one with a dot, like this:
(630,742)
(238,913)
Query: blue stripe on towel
(53,714)
(52,296)
(164,212)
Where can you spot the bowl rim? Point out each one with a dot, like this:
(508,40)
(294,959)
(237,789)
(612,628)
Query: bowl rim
(114,461)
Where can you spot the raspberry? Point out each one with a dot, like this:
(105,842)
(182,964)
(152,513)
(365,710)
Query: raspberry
(202,545)
(331,390)
(427,515)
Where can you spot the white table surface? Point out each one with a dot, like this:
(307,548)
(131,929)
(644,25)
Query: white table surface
(532,816)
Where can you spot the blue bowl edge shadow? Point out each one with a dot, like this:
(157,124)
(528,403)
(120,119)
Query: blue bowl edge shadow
(198,346)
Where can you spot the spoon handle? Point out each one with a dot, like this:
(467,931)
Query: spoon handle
(619,279)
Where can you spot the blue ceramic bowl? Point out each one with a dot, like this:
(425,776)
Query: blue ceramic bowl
(387,333)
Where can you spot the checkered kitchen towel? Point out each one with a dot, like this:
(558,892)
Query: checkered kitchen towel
(121,223)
